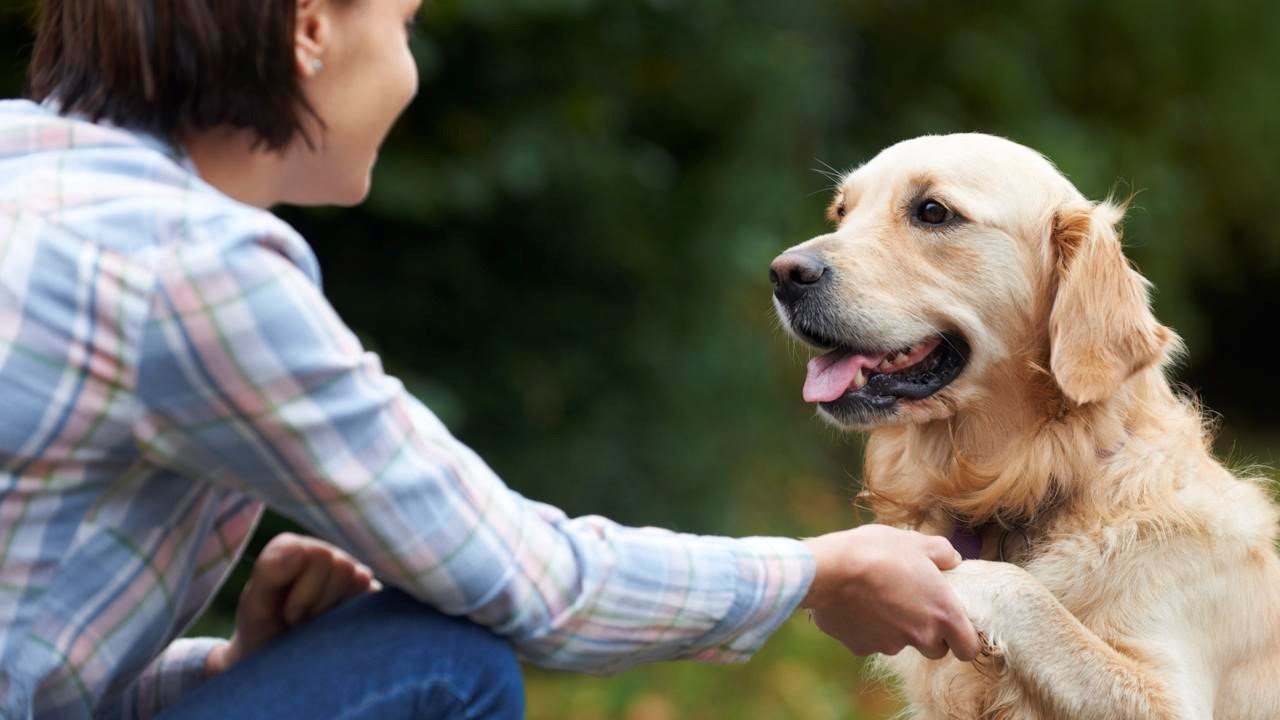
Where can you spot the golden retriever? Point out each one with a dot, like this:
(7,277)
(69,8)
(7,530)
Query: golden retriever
(980,319)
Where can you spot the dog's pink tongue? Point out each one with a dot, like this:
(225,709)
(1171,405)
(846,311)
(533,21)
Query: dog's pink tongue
(831,374)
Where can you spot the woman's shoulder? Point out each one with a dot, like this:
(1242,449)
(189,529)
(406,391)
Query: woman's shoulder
(123,191)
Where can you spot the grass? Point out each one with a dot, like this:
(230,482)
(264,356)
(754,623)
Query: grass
(800,674)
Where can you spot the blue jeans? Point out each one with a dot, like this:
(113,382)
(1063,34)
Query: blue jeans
(383,655)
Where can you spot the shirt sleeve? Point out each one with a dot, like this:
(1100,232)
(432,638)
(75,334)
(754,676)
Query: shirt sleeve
(178,670)
(248,378)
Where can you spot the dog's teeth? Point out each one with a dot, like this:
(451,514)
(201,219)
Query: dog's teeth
(860,380)
(885,365)
(901,360)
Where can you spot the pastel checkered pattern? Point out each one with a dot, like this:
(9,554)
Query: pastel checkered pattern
(169,365)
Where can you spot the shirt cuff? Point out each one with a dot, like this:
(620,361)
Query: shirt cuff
(178,670)
(773,576)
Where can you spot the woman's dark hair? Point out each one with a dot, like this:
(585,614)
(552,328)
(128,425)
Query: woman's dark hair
(171,67)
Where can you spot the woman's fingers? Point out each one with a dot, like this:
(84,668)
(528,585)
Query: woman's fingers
(308,590)
(961,637)
(328,577)
(941,552)
(343,583)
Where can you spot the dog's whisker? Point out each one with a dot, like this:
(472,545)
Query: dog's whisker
(947,340)
(829,174)
(831,171)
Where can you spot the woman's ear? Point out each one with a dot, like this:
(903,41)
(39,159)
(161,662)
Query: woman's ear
(311,36)
(1101,329)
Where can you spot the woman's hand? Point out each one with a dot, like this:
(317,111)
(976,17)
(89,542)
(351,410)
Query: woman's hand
(294,579)
(878,589)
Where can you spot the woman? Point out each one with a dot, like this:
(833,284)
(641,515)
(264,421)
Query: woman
(168,365)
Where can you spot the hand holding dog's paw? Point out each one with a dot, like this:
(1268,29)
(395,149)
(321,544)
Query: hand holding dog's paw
(294,579)
(879,589)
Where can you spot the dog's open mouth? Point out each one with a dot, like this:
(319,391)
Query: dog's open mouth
(848,380)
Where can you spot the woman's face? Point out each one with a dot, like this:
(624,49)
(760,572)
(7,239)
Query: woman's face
(364,78)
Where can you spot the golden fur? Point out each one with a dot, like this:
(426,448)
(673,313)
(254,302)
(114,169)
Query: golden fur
(1144,582)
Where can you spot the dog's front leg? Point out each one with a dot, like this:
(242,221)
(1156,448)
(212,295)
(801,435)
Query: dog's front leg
(1052,655)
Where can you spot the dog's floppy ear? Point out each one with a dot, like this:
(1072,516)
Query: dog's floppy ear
(1101,329)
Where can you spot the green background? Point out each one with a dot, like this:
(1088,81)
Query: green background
(565,250)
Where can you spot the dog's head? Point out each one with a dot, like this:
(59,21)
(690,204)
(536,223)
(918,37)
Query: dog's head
(954,256)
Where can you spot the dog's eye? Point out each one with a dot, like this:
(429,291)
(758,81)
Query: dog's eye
(932,212)
(840,211)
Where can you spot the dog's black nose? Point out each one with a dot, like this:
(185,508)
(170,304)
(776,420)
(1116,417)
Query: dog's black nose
(795,273)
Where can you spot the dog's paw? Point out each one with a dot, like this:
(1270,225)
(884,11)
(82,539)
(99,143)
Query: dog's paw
(989,591)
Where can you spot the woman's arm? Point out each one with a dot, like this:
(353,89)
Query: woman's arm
(249,379)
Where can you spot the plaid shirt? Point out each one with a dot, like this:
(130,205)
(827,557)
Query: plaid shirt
(168,364)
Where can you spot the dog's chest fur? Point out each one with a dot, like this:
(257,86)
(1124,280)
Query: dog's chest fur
(1080,569)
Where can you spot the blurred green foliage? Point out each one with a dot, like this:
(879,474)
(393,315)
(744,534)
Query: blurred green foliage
(566,246)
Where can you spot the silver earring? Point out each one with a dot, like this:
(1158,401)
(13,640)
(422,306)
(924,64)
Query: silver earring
(316,65)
